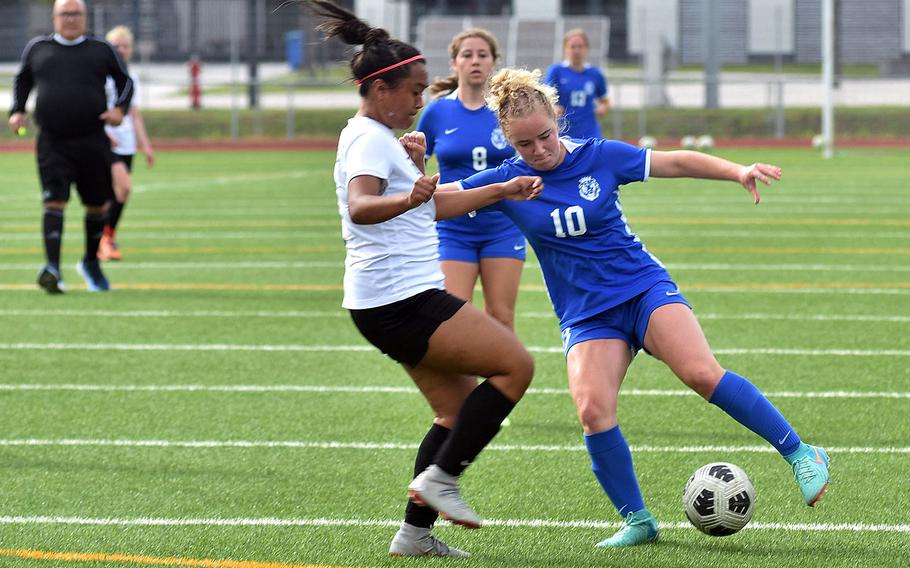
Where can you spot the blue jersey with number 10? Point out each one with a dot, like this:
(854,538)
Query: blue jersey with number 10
(465,142)
(590,259)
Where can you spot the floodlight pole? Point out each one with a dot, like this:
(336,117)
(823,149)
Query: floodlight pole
(828,77)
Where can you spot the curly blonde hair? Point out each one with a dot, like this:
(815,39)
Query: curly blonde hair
(516,93)
(118,32)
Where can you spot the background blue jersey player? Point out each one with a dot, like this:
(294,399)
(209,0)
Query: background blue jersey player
(465,137)
(582,89)
(613,297)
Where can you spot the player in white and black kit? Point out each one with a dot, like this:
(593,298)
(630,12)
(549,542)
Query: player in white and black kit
(69,69)
(126,139)
(393,285)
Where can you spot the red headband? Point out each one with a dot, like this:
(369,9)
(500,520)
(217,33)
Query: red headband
(384,69)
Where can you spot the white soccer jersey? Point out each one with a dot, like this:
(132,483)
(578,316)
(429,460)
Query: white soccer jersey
(394,260)
(125,134)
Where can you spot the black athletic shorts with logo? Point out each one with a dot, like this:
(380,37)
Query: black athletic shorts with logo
(402,329)
(84,160)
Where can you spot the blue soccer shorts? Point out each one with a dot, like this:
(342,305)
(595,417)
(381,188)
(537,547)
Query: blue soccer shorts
(627,321)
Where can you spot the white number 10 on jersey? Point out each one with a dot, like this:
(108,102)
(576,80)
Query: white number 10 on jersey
(575,222)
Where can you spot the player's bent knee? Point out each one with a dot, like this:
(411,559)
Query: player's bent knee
(504,316)
(595,415)
(702,378)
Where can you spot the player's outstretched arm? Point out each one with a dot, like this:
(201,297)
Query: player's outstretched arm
(367,207)
(685,163)
(454,203)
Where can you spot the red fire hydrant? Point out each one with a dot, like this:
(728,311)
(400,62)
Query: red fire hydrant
(195,86)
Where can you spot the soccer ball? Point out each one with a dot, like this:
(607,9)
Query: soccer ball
(719,499)
(647,142)
(704,142)
(818,141)
(687,142)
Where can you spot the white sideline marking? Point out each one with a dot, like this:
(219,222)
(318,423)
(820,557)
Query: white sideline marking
(178,314)
(277,264)
(135,236)
(511,523)
(403,390)
(344,314)
(297,444)
(368,348)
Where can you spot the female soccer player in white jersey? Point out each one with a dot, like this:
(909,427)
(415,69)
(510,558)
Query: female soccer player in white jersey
(612,296)
(126,139)
(393,285)
(582,89)
(465,137)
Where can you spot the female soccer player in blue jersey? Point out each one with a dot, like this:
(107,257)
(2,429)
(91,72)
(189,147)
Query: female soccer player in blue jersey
(393,286)
(465,137)
(582,89)
(612,296)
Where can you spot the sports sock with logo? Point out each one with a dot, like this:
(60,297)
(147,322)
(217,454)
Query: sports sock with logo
(739,398)
(52,227)
(478,422)
(414,514)
(611,461)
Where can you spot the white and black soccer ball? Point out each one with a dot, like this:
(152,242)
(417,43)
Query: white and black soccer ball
(705,142)
(719,499)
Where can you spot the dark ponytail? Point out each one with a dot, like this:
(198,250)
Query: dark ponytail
(379,49)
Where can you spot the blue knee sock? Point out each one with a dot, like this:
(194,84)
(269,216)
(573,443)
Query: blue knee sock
(611,461)
(740,399)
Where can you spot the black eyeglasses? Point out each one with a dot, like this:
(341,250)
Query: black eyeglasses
(70,14)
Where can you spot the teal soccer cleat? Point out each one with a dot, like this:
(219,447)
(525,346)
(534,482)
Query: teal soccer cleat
(810,470)
(640,528)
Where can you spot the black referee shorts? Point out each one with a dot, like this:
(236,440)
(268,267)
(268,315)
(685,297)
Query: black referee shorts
(402,329)
(85,161)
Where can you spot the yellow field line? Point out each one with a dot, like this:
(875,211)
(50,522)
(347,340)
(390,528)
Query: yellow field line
(200,250)
(198,286)
(153,560)
(526,287)
(753,221)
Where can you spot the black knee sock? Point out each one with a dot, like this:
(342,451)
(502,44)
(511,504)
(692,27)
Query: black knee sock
(52,227)
(94,228)
(415,514)
(478,422)
(114,213)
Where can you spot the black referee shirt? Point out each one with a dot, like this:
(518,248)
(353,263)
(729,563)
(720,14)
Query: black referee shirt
(70,81)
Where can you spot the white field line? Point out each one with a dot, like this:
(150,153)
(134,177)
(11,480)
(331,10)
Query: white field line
(372,446)
(70,387)
(344,314)
(135,236)
(509,523)
(367,348)
(220,181)
(282,265)
(301,232)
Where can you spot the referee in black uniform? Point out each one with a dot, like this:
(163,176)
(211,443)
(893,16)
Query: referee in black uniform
(69,69)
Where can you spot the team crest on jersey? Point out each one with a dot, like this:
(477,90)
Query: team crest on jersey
(589,87)
(588,188)
(498,139)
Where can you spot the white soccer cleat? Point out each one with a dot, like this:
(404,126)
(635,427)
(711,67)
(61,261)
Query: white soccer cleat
(416,541)
(439,490)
